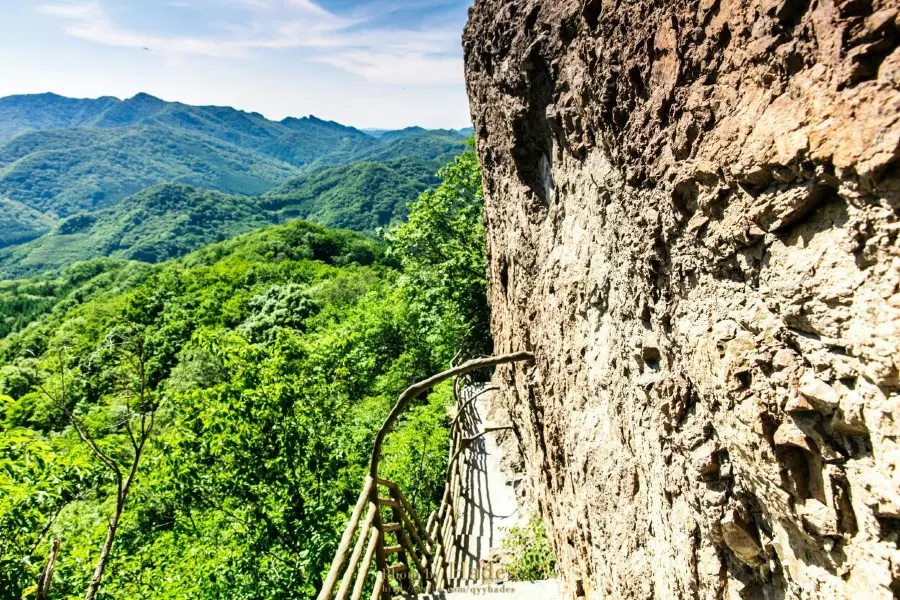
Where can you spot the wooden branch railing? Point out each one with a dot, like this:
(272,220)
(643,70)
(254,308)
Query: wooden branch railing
(422,556)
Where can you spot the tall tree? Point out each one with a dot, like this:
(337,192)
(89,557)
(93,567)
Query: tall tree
(442,251)
(125,353)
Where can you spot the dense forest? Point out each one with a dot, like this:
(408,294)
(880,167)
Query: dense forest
(162,222)
(18,223)
(225,402)
(149,180)
(170,220)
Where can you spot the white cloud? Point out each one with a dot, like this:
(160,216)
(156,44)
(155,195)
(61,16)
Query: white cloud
(405,69)
(425,56)
(85,10)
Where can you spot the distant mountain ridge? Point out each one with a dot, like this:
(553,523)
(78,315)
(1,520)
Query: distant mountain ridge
(62,156)
(67,171)
(387,134)
(39,112)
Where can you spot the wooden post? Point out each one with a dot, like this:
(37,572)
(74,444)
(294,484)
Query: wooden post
(380,560)
(398,496)
(344,547)
(357,552)
(378,589)
(366,563)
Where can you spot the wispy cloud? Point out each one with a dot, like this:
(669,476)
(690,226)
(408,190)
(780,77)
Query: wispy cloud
(352,42)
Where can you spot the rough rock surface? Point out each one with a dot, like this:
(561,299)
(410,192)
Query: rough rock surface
(692,214)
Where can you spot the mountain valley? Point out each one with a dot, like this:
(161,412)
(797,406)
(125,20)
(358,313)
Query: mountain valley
(79,178)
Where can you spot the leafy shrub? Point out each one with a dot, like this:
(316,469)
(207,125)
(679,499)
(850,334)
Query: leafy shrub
(531,556)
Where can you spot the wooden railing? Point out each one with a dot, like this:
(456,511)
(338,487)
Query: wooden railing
(399,555)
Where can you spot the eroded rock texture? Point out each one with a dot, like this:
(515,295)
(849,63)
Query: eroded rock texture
(692,214)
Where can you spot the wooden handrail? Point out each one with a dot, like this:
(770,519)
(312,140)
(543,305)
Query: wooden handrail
(341,555)
(466,442)
(469,402)
(357,552)
(429,551)
(415,390)
(366,563)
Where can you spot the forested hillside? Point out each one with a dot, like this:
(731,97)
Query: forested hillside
(61,173)
(242,384)
(437,146)
(18,223)
(169,220)
(162,222)
(363,196)
(78,178)
(63,156)
(20,114)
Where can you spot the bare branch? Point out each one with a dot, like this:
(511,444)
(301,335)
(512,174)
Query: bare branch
(81,430)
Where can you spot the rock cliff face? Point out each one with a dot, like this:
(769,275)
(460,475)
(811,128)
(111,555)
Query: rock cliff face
(692,214)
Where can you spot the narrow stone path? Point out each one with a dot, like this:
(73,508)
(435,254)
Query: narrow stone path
(487,506)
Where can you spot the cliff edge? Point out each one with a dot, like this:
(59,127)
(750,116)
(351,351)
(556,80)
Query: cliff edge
(692,220)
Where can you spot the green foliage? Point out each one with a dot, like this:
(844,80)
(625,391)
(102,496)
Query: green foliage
(274,358)
(63,173)
(438,147)
(441,249)
(162,222)
(311,141)
(363,196)
(24,301)
(286,305)
(61,156)
(531,557)
(19,114)
(18,223)
(415,455)
(43,112)
(169,220)
(35,483)
(91,180)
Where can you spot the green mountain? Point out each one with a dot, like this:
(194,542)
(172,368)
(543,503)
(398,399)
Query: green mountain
(258,371)
(393,134)
(18,223)
(169,220)
(19,114)
(362,196)
(162,222)
(438,147)
(310,140)
(62,156)
(64,172)
(399,133)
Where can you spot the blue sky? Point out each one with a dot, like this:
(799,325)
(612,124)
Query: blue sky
(367,63)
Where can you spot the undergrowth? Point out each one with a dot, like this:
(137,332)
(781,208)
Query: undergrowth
(531,556)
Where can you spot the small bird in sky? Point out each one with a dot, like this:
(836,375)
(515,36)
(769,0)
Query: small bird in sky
(145,48)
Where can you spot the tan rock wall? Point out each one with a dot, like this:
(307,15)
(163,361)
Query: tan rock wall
(692,214)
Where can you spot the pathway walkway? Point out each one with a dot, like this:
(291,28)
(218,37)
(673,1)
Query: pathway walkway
(487,508)
(487,505)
